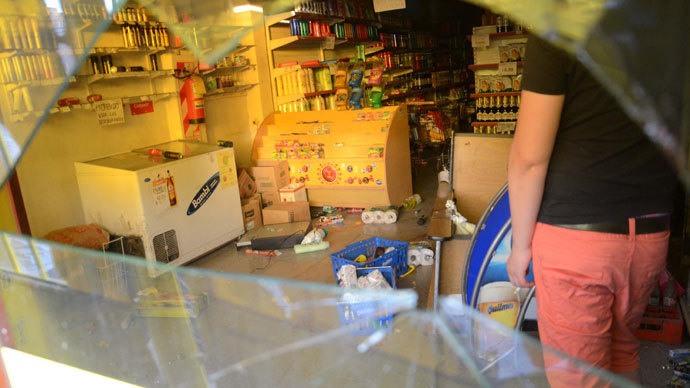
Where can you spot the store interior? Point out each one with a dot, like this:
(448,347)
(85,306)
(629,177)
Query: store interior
(235,161)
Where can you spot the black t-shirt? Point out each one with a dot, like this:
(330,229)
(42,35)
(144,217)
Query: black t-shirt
(603,167)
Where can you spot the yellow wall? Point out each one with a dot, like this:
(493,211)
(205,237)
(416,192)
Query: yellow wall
(7,222)
(46,172)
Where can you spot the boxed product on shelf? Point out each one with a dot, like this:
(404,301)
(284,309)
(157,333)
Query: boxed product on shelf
(514,52)
(484,84)
(502,84)
(517,82)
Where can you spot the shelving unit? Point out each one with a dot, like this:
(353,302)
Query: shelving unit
(501,91)
(489,66)
(231,90)
(18,117)
(505,94)
(93,78)
(225,69)
(321,93)
(297,42)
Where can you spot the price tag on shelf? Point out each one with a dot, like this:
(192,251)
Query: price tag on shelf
(480,40)
(329,44)
(507,68)
(388,5)
(506,127)
(109,112)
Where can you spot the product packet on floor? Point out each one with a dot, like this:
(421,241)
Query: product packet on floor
(347,276)
(673,353)
(374,280)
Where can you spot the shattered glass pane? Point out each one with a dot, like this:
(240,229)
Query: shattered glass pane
(50,47)
(149,325)
(637,49)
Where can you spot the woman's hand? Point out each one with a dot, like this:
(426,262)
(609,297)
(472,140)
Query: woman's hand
(518,267)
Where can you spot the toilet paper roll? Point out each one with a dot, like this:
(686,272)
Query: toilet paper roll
(368,217)
(444,176)
(426,257)
(413,256)
(390,217)
(379,217)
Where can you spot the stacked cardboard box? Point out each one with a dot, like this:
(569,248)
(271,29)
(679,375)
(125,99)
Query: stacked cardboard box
(269,179)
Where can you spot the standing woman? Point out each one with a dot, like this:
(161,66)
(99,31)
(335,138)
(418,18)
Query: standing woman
(590,199)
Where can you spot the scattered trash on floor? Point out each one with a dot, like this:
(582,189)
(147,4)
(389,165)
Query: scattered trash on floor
(679,362)
(328,209)
(330,221)
(366,278)
(315,236)
(412,202)
(355,210)
(262,253)
(421,220)
(388,215)
(311,247)
(461,224)
(420,254)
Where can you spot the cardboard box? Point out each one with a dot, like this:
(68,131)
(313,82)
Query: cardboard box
(269,179)
(251,212)
(294,192)
(282,213)
(246,184)
(270,198)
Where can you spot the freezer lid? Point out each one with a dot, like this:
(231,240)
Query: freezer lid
(139,158)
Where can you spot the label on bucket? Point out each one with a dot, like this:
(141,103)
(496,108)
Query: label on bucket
(503,312)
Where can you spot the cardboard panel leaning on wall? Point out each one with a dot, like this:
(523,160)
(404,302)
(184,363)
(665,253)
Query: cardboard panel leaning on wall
(480,169)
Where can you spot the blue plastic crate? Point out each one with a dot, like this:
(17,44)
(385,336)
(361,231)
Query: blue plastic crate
(366,317)
(396,258)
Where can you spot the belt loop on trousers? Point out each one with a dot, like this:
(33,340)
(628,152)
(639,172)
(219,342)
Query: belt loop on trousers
(631,228)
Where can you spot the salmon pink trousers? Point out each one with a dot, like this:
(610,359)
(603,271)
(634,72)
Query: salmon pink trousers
(592,289)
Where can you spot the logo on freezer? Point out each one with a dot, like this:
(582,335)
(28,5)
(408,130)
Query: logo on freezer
(204,194)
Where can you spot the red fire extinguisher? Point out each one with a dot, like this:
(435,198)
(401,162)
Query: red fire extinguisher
(192,101)
(192,92)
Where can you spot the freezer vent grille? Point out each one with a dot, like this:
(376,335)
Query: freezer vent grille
(165,246)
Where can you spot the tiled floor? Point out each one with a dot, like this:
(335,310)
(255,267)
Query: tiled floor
(316,266)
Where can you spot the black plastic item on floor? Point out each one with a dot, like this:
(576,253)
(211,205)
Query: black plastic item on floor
(278,236)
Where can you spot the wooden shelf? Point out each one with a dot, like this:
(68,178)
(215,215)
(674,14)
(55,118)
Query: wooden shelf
(231,90)
(321,93)
(225,68)
(490,123)
(301,42)
(503,34)
(433,103)
(128,74)
(373,50)
(290,15)
(489,66)
(362,21)
(410,93)
(505,94)
(85,106)
(313,65)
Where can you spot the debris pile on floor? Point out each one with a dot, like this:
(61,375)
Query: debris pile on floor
(679,362)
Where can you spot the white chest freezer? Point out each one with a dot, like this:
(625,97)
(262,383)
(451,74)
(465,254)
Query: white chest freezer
(180,208)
